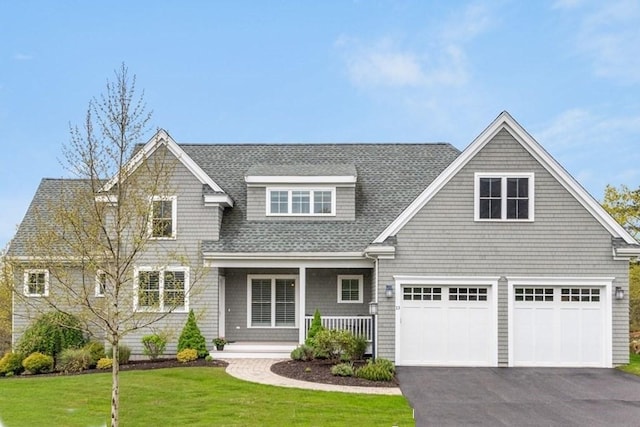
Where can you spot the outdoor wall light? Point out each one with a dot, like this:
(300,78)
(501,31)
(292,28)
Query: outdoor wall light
(373,308)
(619,293)
(388,291)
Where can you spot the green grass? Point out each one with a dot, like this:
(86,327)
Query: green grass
(634,365)
(188,396)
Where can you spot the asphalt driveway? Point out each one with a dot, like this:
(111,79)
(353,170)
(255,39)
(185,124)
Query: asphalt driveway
(521,396)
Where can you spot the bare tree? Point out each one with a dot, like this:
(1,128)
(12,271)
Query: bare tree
(5,305)
(94,229)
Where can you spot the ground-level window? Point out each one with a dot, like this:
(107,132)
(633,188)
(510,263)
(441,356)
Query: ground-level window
(101,283)
(350,289)
(36,283)
(272,301)
(164,289)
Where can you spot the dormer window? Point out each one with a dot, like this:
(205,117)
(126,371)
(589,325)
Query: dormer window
(504,197)
(301,202)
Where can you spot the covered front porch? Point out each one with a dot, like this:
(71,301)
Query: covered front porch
(266,308)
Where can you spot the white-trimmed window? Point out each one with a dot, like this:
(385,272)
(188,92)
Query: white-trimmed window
(162,224)
(350,289)
(504,197)
(301,202)
(101,283)
(161,289)
(272,301)
(36,283)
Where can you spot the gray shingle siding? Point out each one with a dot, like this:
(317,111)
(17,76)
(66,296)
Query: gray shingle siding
(444,240)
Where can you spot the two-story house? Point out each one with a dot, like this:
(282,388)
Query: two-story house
(494,256)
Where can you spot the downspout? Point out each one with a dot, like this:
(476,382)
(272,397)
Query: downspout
(374,343)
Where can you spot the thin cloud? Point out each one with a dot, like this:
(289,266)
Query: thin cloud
(22,57)
(443,62)
(607,34)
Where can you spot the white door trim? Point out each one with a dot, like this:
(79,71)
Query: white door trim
(222,308)
(492,282)
(603,282)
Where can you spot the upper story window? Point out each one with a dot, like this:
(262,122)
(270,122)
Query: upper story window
(504,197)
(163,289)
(36,283)
(163,217)
(283,201)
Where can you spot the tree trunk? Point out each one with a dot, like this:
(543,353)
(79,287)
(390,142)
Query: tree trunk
(115,384)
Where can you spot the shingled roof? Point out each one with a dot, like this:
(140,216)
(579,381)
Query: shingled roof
(389,177)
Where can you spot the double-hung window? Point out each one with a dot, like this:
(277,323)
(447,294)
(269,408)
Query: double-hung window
(36,283)
(271,301)
(300,202)
(101,283)
(164,289)
(350,289)
(504,197)
(163,217)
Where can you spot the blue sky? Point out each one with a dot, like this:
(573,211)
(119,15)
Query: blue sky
(330,71)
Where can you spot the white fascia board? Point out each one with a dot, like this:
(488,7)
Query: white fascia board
(107,198)
(446,280)
(159,139)
(218,200)
(505,121)
(297,179)
(381,252)
(626,252)
(559,281)
(286,260)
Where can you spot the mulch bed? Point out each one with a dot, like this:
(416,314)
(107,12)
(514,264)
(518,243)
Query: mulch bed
(319,371)
(139,365)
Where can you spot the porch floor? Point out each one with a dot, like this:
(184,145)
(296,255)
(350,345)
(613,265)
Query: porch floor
(255,350)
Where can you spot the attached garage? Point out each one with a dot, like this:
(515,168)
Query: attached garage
(560,323)
(446,323)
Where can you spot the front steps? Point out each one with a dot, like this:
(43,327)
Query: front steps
(255,350)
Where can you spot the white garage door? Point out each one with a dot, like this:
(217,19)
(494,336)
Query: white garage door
(446,326)
(558,326)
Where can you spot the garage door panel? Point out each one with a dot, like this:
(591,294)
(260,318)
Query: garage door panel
(559,326)
(454,330)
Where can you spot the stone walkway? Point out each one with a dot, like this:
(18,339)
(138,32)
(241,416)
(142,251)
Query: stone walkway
(259,371)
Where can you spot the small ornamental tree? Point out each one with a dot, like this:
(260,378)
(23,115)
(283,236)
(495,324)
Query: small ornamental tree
(191,337)
(316,326)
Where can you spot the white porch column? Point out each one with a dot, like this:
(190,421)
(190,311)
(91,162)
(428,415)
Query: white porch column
(302,296)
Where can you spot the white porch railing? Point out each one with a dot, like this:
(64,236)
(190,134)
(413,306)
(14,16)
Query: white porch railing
(357,325)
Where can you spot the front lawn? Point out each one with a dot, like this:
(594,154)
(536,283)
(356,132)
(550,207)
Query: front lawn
(634,365)
(188,396)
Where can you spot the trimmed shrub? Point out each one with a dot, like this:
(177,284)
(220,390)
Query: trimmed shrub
(187,355)
(316,326)
(51,333)
(380,370)
(11,364)
(208,358)
(192,338)
(154,345)
(358,348)
(342,370)
(105,363)
(38,363)
(73,360)
(332,344)
(124,354)
(97,352)
(303,352)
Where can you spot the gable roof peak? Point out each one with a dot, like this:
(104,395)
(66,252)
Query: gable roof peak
(507,122)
